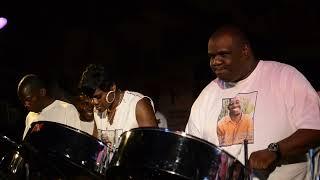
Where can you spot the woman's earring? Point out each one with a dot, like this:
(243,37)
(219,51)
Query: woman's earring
(107,97)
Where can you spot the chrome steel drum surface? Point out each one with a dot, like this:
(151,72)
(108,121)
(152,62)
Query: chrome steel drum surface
(68,150)
(6,145)
(12,164)
(150,153)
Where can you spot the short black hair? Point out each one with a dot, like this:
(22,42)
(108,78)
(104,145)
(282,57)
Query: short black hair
(95,77)
(234,30)
(31,80)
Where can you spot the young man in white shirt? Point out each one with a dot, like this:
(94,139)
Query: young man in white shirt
(33,95)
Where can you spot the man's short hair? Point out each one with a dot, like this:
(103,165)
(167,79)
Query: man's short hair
(31,80)
(234,30)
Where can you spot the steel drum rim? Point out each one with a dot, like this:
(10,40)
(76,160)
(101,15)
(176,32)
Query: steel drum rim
(7,139)
(67,127)
(173,173)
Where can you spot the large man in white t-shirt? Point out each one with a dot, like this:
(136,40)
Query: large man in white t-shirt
(33,94)
(283,105)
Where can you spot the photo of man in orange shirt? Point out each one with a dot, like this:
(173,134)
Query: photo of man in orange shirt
(236,126)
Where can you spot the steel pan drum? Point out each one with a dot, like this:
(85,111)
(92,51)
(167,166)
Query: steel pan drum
(150,153)
(6,144)
(69,151)
(12,164)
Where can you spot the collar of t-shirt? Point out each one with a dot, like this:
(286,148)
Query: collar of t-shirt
(227,85)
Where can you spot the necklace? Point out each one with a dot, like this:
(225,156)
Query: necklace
(112,111)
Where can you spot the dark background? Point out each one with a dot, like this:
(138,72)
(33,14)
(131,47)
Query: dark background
(156,47)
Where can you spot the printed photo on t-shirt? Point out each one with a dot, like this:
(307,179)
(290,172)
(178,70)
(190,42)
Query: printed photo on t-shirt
(110,137)
(236,119)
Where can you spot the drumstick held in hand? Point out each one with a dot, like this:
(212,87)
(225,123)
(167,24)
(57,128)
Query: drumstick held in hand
(245,143)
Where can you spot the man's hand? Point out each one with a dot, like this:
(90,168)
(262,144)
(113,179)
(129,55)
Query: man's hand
(263,162)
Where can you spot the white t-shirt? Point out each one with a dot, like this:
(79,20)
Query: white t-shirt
(276,96)
(31,117)
(59,112)
(87,126)
(163,121)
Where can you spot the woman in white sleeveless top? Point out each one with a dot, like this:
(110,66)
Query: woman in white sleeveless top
(115,111)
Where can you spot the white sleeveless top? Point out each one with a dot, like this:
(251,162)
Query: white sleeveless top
(125,115)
